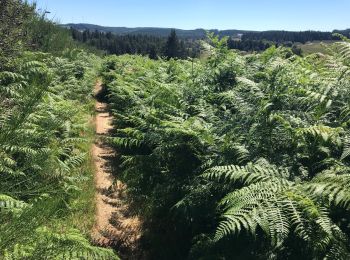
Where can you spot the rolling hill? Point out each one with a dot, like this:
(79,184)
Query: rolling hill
(201,33)
(153,31)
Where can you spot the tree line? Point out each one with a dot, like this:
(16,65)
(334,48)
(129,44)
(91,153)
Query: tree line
(248,45)
(153,46)
(260,41)
(259,45)
(286,36)
(175,47)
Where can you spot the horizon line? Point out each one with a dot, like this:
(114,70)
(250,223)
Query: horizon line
(110,26)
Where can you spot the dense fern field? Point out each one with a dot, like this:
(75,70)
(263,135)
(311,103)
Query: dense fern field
(236,156)
(228,156)
(44,150)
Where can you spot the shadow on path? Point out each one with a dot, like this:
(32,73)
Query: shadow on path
(115,226)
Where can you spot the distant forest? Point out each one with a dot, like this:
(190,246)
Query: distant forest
(153,46)
(260,41)
(153,41)
(285,36)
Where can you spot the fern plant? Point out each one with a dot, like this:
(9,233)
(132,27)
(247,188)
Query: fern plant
(279,207)
(173,120)
(43,131)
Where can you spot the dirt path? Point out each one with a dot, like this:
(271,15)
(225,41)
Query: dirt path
(114,226)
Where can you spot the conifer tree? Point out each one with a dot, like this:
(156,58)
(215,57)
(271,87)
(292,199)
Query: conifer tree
(172,46)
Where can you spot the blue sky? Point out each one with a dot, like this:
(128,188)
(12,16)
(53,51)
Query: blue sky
(209,14)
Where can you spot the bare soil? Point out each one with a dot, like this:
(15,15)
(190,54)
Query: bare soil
(115,226)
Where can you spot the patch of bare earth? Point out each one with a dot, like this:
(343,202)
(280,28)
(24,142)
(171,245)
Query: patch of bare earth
(114,225)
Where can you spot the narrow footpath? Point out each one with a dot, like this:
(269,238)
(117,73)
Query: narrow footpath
(114,227)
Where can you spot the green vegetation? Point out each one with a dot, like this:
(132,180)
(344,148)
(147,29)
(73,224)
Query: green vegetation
(315,47)
(236,157)
(152,41)
(44,129)
(152,46)
(228,157)
(46,178)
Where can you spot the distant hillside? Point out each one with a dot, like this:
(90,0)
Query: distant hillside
(153,31)
(150,40)
(344,32)
(288,36)
(274,36)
